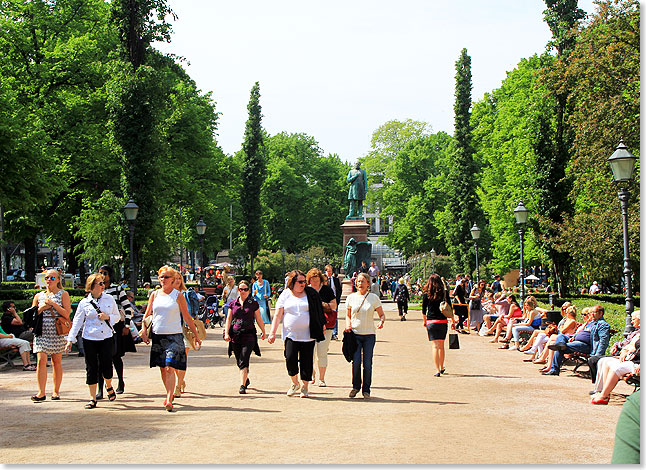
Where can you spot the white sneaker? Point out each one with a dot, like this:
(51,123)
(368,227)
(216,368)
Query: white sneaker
(293,390)
(304,393)
(322,383)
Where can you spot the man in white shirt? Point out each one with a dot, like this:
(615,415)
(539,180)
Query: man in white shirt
(594,288)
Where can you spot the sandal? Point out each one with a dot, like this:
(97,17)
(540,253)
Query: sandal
(504,346)
(178,391)
(600,401)
(539,361)
(29,367)
(91,404)
(112,396)
(168,405)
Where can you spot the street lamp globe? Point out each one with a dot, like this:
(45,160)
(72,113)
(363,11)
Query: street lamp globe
(521,213)
(433,253)
(622,163)
(475,231)
(200,227)
(130,210)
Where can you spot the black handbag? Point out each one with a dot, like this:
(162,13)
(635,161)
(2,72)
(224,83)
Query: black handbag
(29,317)
(454,341)
(349,345)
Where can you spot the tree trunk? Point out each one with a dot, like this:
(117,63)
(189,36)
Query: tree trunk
(30,259)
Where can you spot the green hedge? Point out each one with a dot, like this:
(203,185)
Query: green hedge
(609,298)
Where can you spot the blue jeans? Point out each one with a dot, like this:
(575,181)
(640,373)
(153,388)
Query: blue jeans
(365,345)
(572,346)
(335,330)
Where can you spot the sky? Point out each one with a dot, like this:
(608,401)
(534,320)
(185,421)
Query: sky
(337,70)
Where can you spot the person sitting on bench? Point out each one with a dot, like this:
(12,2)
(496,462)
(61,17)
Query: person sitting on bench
(12,323)
(616,348)
(9,340)
(593,340)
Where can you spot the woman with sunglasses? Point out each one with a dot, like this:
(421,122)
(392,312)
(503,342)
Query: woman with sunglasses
(316,280)
(123,341)
(241,333)
(96,314)
(53,302)
(168,308)
(300,309)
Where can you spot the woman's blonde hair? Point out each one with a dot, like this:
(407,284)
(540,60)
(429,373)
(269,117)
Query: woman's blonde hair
(58,277)
(180,278)
(167,269)
(93,279)
(530,302)
(571,311)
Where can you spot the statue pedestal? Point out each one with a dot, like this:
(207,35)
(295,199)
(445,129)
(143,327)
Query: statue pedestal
(357,229)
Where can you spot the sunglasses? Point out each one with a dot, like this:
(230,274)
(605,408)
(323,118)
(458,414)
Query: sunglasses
(103,273)
(101,283)
(301,281)
(165,277)
(50,278)
(243,289)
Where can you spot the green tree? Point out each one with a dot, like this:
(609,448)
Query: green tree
(386,142)
(253,174)
(417,190)
(553,146)
(603,75)
(462,208)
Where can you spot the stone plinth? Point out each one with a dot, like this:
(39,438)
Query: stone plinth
(357,229)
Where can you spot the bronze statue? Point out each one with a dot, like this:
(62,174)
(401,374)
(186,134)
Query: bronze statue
(355,253)
(357,193)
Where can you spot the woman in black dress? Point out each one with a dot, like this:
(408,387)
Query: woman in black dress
(240,331)
(434,320)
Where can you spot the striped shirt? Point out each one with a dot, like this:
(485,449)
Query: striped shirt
(121,298)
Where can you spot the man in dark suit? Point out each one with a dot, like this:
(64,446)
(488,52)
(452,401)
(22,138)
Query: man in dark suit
(335,285)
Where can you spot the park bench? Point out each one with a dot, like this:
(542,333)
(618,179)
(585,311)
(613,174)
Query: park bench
(632,379)
(7,354)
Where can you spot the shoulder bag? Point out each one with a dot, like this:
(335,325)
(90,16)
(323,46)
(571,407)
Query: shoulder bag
(190,337)
(63,325)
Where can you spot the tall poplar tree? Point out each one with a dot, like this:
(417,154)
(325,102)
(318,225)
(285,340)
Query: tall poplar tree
(253,174)
(463,207)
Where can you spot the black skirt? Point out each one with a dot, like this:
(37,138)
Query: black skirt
(122,343)
(437,331)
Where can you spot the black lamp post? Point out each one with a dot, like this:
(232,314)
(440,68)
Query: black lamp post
(521,213)
(433,254)
(201,229)
(130,210)
(475,234)
(622,163)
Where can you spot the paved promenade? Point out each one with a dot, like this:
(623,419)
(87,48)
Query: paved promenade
(490,407)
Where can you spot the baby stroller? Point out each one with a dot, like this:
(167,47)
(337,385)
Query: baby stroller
(209,312)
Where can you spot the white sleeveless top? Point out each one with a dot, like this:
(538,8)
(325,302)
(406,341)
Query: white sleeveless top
(167,319)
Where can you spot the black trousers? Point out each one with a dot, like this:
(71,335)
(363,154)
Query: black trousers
(403,308)
(242,353)
(98,359)
(299,353)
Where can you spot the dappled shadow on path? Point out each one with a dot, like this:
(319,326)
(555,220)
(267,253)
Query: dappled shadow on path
(482,375)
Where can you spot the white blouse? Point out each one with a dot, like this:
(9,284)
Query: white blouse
(167,319)
(87,317)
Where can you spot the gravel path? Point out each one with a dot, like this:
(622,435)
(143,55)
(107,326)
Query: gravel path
(489,408)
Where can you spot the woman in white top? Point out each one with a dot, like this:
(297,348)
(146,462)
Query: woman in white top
(96,314)
(229,294)
(301,310)
(359,319)
(167,308)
